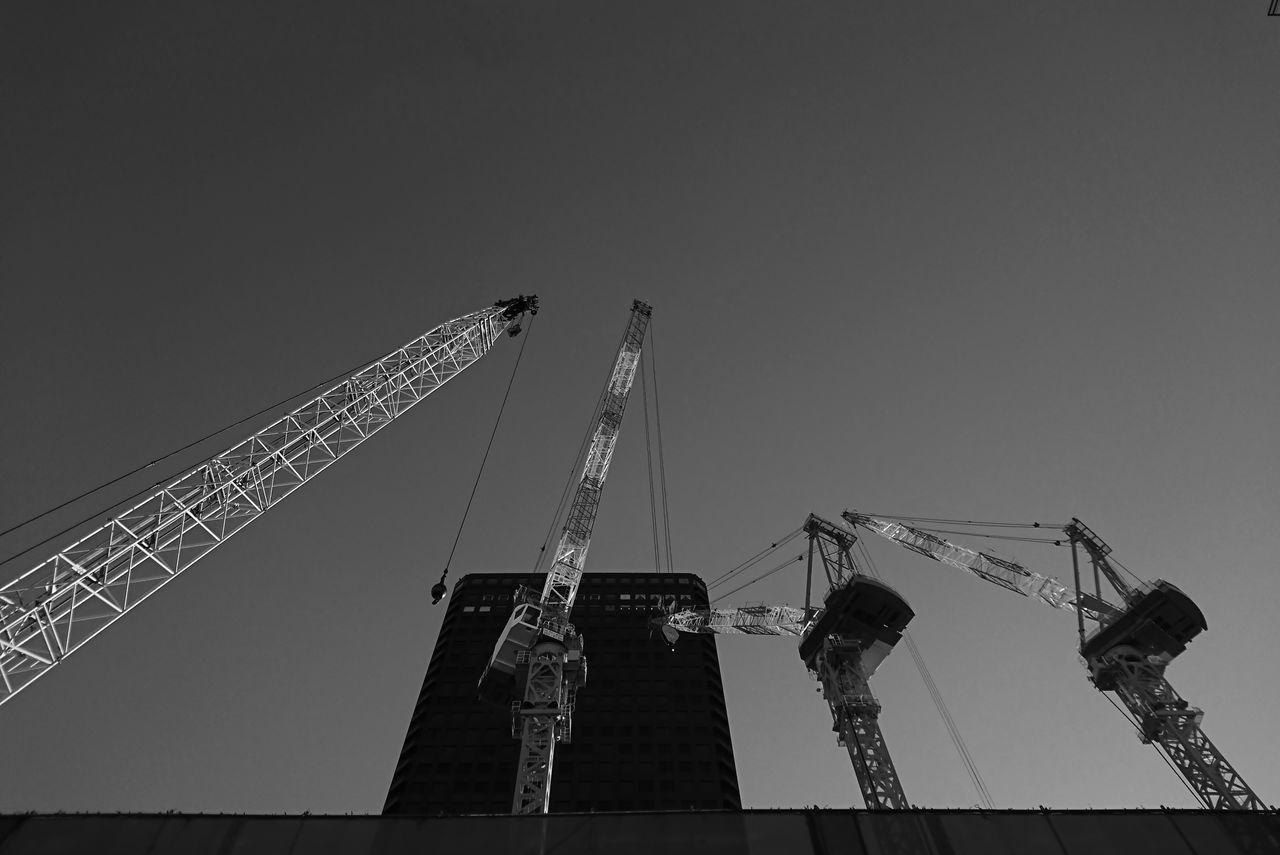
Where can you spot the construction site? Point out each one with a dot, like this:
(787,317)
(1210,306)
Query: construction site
(627,581)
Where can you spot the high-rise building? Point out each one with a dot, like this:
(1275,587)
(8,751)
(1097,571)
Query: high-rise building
(650,731)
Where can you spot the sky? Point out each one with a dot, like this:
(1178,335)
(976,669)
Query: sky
(994,260)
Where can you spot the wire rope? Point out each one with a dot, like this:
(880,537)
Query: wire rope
(754,559)
(781,566)
(966,758)
(346,373)
(662,459)
(966,522)
(1116,561)
(648,453)
(485,458)
(173,474)
(1161,752)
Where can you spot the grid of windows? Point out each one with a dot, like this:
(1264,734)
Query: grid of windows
(650,729)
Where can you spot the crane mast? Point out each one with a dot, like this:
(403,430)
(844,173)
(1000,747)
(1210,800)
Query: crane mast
(842,644)
(862,620)
(538,660)
(51,610)
(1127,651)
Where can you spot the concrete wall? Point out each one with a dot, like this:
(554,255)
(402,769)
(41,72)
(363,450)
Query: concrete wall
(791,832)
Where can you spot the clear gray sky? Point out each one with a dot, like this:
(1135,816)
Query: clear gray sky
(992,260)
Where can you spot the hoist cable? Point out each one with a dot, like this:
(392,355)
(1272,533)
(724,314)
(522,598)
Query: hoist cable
(143,491)
(484,459)
(950,723)
(781,566)
(966,758)
(648,453)
(662,459)
(575,469)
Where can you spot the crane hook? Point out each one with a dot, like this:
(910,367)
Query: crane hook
(439,590)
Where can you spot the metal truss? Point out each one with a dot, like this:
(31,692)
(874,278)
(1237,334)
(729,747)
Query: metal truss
(51,610)
(745,620)
(855,713)
(543,718)
(1166,719)
(1000,571)
(561,586)
(556,668)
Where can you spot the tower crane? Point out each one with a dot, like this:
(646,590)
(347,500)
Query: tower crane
(1127,650)
(842,644)
(51,610)
(537,665)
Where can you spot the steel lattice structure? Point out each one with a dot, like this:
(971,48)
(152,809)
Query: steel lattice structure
(856,714)
(1126,652)
(838,645)
(51,610)
(554,669)
(1166,719)
(999,571)
(745,620)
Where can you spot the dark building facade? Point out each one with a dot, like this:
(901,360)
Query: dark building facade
(650,730)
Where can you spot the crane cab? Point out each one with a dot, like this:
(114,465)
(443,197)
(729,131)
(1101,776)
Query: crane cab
(1160,623)
(865,611)
(497,684)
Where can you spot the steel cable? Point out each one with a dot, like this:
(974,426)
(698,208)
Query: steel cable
(173,474)
(966,758)
(484,459)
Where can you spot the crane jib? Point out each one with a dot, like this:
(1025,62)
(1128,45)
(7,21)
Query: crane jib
(52,609)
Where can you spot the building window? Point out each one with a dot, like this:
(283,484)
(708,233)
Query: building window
(486,608)
(468,608)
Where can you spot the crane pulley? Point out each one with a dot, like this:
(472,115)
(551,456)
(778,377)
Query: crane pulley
(51,610)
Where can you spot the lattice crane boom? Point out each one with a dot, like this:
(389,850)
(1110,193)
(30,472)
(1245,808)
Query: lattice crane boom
(538,659)
(51,610)
(1127,651)
(744,620)
(999,571)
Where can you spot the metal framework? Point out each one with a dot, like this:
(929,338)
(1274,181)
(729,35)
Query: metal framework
(51,610)
(1166,719)
(842,667)
(840,663)
(1136,676)
(856,713)
(745,620)
(999,571)
(556,668)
